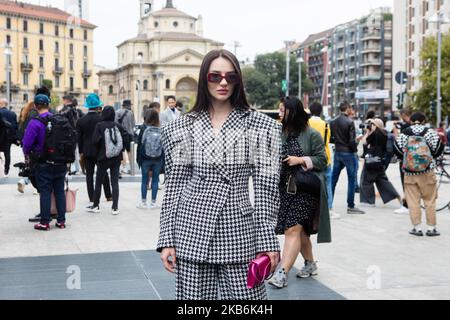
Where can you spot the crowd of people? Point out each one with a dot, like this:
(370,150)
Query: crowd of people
(209,229)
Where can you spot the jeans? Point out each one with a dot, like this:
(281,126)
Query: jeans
(51,178)
(155,166)
(102,167)
(345,160)
(356,172)
(329,177)
(90,164)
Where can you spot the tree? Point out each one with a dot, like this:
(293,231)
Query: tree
(263,83)
(427,95)
(48,84)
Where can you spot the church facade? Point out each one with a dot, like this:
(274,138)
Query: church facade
(163,60)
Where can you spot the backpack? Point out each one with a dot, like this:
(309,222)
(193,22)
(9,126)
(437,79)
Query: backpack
(60,140)
(72,115)
(113,142)
(151,143)
(417,156)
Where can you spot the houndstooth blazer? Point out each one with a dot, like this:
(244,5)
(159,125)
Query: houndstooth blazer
(206,214)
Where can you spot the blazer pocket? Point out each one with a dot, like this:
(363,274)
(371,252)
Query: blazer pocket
(247,209)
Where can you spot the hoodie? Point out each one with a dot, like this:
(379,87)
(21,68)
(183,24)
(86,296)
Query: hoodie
(98,138)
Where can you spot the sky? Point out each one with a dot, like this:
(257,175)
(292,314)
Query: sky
(260,26)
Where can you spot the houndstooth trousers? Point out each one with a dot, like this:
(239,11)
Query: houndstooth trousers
(196,281)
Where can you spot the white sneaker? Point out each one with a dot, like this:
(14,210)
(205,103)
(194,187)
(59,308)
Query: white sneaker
(94,210)
(334,215)
(89,205)
(154,206)
(402,210)
(115,212)
(21,186)
(142,205)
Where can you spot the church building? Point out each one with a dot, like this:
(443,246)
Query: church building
(164,59)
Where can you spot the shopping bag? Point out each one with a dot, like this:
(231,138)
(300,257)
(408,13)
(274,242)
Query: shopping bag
(71,200)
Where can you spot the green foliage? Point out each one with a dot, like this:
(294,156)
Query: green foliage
(48,84)
(56,101)
(263,83)
(424,97)
(388,17)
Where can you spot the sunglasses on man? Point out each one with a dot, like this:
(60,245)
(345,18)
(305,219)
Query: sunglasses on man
(230,77)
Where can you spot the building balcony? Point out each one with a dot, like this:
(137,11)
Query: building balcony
(372,62)
(371,36)
(26,67)
(86,73)
(73,91)
(371,49)
(57,71)
(371,77)
(14,88)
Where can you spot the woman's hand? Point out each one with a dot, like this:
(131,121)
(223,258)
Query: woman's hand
(294,161)
(274,259)
(169,264)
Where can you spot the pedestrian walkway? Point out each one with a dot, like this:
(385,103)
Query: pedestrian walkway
(132,275)
(371,257)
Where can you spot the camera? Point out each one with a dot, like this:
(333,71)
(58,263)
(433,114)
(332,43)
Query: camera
(398,125)
(24,170)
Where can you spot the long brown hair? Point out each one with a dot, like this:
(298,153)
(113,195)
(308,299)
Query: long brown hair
(152,118)
(204,99)
(25,112)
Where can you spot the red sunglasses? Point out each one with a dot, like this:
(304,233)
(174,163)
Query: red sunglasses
(230,77)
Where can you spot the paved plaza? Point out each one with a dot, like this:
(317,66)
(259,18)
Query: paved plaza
(371,257)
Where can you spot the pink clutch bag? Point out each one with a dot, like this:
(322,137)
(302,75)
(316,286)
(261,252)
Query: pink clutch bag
(259,271)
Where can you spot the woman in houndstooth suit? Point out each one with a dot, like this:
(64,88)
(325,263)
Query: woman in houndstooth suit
(209,229)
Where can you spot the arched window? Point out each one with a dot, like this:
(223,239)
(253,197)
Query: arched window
(168,84)
(145,84)
(111,89)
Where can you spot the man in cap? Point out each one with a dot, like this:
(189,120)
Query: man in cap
(50,176)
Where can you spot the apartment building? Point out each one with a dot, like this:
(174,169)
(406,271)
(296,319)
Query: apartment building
(45,44)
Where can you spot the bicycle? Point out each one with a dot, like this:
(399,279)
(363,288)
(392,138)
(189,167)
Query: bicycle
(443,185)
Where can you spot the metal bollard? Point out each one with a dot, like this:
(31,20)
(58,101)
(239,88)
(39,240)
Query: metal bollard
(133,160)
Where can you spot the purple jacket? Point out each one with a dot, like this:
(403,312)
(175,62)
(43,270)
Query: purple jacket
(34,138)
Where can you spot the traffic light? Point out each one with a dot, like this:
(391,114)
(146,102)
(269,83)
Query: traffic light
(284,86)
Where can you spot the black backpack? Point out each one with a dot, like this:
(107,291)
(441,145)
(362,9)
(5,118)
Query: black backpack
(60,140)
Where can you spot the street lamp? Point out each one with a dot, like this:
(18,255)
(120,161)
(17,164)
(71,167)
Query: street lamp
(157,76)
(300,61)
(440,19)
(289,44)
(324,51)
(8,54)
(140,60)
